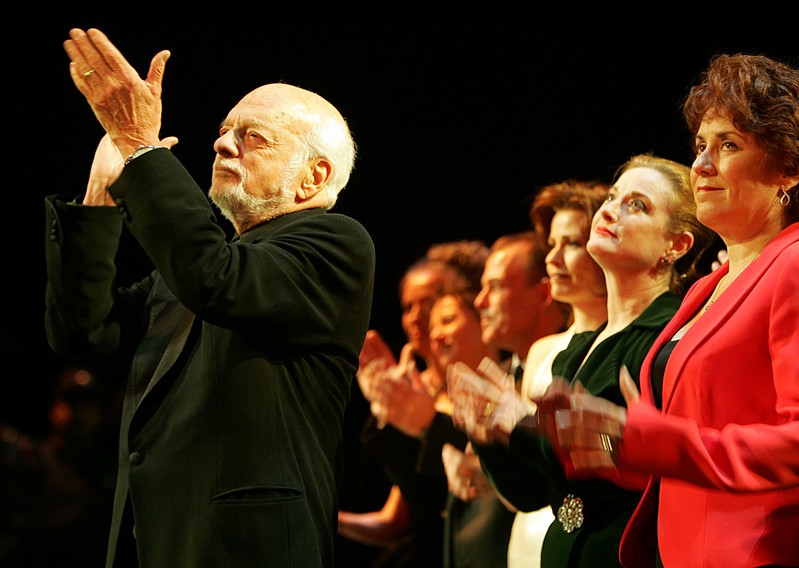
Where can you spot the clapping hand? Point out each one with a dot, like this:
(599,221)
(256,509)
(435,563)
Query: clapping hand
(465,477)
(395,390)
(106,168)
(485,403)
(374,360)
(127,106)
(591,429)
(556,398)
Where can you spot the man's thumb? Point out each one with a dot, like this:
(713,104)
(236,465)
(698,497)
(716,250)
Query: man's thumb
(155,75)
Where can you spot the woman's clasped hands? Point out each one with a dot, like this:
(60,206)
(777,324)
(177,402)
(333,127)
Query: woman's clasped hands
(590,428)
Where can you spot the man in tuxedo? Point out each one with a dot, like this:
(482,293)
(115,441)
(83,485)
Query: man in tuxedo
(515,306)
(516,309)
(242,353)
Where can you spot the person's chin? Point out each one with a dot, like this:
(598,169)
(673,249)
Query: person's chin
(221,204)
(215,191)
(559,290)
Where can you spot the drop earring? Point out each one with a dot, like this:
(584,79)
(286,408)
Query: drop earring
(785,198)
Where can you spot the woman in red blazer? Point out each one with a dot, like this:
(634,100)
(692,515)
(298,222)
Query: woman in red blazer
(717,423)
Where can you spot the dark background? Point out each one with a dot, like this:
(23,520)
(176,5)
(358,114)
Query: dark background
(459,113)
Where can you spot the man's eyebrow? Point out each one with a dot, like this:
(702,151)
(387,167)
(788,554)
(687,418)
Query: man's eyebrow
(248,123)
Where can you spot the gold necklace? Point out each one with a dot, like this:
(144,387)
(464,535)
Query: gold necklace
(717,292)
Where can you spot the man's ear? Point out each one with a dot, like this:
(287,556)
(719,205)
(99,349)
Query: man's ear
(316,179)
(544,292)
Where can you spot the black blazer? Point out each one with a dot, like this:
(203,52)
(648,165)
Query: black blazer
(242,356)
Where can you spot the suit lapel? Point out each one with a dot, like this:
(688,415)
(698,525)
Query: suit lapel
(723,308)
(168,330)
(183,321)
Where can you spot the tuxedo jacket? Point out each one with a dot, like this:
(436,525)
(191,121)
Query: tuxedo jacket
(242,355)
(724,451)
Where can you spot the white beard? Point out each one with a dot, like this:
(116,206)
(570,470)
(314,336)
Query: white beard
(245,210)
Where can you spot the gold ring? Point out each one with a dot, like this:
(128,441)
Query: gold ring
(606,442)
(87,73)
(487,409)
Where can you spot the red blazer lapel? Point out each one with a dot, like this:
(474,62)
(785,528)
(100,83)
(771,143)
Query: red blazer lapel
(723,308)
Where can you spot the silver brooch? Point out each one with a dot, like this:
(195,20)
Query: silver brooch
(570,514)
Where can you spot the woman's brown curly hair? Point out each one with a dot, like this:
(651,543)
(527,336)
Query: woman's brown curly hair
(761,97)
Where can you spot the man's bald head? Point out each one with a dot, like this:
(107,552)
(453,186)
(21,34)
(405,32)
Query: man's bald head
(320,126)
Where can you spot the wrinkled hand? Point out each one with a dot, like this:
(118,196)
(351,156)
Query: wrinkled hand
(592,429)
(465,477)
(127,106)
(106,168)
(485,403)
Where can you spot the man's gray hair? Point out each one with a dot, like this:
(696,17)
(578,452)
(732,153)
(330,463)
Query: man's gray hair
(327,137)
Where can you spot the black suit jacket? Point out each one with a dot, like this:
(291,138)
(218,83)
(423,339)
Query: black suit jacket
(242,358)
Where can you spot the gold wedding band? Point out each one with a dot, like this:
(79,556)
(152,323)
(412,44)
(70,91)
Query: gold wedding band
(487,409)
(87,73)
(606,442)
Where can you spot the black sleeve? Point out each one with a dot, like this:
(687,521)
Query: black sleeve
(513,472)
(441,431)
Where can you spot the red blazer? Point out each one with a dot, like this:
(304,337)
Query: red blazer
(724,451)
